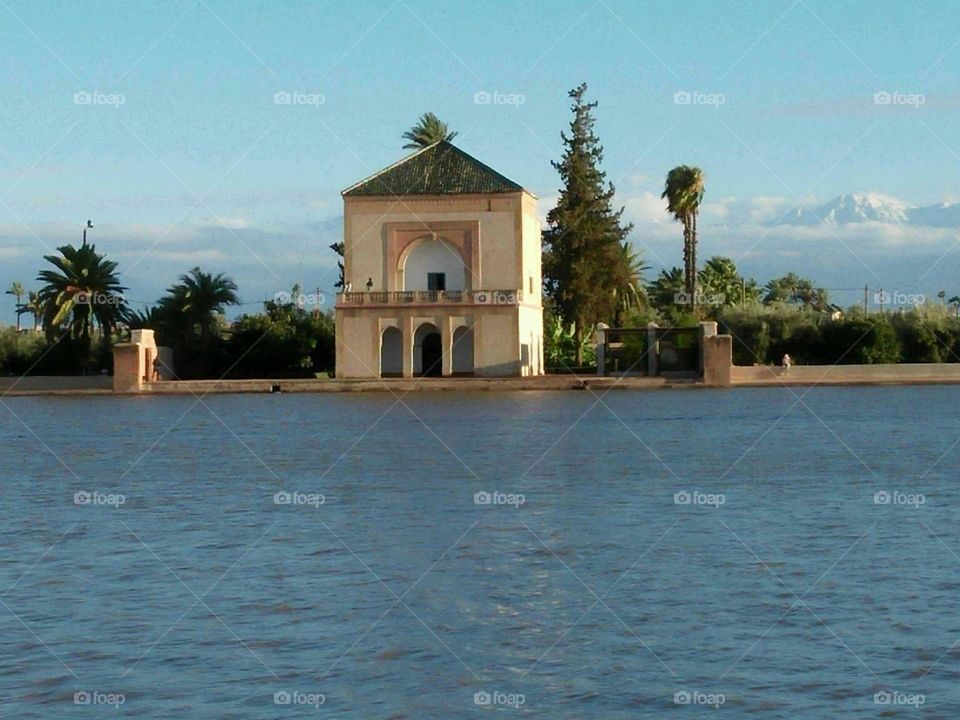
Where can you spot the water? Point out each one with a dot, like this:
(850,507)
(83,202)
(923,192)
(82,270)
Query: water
(399,597)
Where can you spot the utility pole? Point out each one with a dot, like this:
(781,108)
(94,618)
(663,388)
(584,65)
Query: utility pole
(866,290)
(85,227)
(880,298)
(316,304)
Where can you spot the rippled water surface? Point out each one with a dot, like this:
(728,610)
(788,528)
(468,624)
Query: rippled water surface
(783,589)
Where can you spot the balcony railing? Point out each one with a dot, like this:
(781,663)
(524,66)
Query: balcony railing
(431,297)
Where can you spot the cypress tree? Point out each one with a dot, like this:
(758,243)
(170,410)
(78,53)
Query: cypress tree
(583,260)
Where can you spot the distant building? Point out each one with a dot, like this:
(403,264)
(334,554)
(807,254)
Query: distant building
(441,271)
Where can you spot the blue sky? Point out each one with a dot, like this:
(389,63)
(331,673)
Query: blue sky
(199,165)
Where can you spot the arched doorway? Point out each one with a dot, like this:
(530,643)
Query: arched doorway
(433,264)
(391,353)
(427,351)
(463,351)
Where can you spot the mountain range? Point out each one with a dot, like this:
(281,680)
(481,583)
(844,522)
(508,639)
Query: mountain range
(855,208)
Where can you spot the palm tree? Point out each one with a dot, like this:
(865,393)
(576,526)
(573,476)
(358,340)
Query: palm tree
(797,290)
(429,130)
(721,280)
(84,286)
(16,289)
(631,293)
(198,301)
(34,306)
(665,289)
(683,193)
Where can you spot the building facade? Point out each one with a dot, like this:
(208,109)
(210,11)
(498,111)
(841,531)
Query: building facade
(442,272)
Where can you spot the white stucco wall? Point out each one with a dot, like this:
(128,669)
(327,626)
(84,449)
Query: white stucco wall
(434,256)
(499,221)
(507,232)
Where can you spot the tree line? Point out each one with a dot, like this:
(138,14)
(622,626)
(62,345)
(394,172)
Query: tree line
(83,312)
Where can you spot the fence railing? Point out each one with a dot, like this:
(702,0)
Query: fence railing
(431,297)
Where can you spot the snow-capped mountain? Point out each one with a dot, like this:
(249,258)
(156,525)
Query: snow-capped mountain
(873,207)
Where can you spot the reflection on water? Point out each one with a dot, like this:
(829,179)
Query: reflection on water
(545,554)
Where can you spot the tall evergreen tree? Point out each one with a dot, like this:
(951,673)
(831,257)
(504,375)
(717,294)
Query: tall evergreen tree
(583,253)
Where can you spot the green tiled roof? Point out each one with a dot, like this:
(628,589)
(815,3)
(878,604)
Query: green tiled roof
(439,169)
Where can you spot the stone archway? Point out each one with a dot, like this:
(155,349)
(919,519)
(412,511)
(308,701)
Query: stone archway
(431,260)
(391,353)
(463,351)
(427,351)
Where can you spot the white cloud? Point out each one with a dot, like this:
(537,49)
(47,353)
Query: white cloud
(646,209)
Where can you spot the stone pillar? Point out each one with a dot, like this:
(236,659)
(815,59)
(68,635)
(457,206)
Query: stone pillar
(600,340)
(166,371)
(446,345)
(406,331)
(707,329)
(127,368)
(653,350)
(717,360)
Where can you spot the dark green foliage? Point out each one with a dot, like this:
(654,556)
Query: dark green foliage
(429,130)
(762,335)
(560,345)
(584,255)
(860,341)
(283,341)
(190,319)
(80,297)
